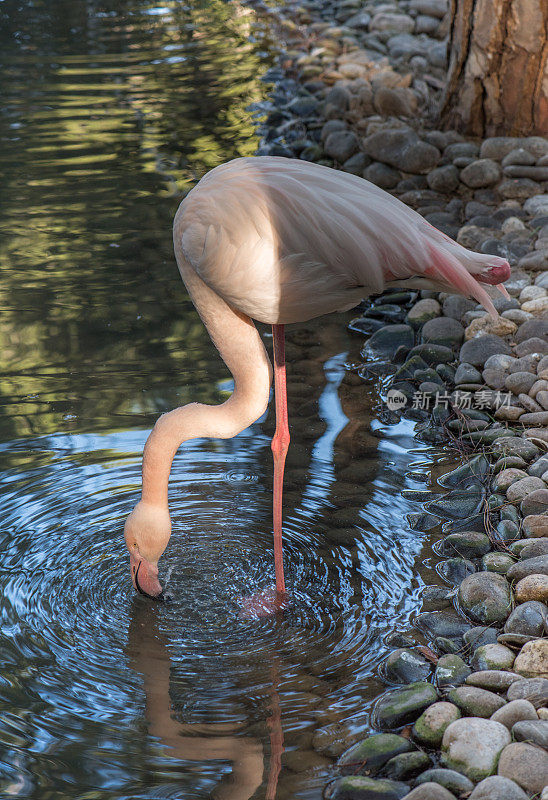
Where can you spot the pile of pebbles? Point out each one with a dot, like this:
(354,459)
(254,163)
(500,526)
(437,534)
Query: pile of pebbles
(470,715)
(356,89)
(483,379)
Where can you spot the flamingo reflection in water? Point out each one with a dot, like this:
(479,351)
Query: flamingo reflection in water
(282,241)
(197,742)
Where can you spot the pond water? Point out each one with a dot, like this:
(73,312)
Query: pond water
(110,112)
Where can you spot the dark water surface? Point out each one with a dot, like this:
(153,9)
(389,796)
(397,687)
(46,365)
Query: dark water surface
(110,111)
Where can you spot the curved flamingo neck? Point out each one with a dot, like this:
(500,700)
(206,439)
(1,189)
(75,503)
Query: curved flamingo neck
(195,421)
(241,348)
(166,437)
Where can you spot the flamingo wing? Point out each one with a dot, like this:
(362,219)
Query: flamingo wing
(284,241)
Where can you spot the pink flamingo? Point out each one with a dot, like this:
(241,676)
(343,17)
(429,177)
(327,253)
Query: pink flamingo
(281,241)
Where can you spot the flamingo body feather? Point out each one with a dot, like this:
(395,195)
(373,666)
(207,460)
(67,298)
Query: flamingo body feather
(283,241)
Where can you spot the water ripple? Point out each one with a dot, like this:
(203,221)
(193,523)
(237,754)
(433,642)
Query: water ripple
(73,629)
(108,117)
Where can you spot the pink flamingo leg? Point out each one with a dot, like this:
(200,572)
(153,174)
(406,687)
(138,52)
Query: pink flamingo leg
(272,601)
(280,445)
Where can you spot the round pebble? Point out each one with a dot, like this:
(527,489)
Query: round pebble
(498,680)
(535,503)
(498,788)
(532,587)
(406,666)
(529,618)
(485,597)
(534,731)
(514,712)
(532,660)
(448,778)
(432,723)
(535,525)
(506,478)
(533,689)
(492,656)
(474,702)
(526,765)
(430,791)
(524,487)
(472,746)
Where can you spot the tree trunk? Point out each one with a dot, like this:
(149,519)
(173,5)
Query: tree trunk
(498,68)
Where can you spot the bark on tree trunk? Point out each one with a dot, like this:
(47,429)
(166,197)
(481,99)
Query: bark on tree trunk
(498,68)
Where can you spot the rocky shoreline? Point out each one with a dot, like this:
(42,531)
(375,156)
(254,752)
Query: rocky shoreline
(356,89)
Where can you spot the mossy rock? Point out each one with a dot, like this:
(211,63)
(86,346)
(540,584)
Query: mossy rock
(401,706)
(432,723)
(375,751)
(358,787)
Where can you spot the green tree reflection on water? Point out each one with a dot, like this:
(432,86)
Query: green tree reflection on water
(110,113)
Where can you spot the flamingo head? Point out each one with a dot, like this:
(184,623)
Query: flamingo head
(147,531)
(468,274)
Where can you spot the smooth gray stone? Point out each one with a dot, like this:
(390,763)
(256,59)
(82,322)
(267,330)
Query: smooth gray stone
(529,619)
(493,679)
(400,706)
(455,570)
(406,766)
(515,711)
(486,597)
(538,565)
(458,504)
(493,656)
(358,787)
(475,702)
(451,670)
(387,340)
(473,746)
(468,544)
(525,764)
(406,666)
(498,788)
(534,547)
(480,636)
(376,750)
(477,351)
(441,623)
(533,731)
(472,471)
(448,778)
(430,791)
(533,689)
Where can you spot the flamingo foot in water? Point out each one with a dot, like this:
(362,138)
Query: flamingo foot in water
(263,603)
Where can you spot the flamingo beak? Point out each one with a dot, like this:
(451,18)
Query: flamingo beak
(495,274)
(144,577)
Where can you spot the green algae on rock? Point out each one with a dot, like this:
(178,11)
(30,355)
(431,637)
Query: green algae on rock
(485,597)
(432,723)
(400,706)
